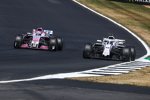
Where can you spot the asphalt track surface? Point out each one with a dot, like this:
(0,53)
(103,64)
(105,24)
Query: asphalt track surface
(75,24)
(71,90)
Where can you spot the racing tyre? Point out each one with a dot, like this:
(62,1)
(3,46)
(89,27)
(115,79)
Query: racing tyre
(18,42)
(59,43)
(52,44)
(126,54)
(87,51)
(132,53)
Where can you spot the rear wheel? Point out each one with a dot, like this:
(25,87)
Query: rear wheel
(59,43)
(132,53)
(87,51)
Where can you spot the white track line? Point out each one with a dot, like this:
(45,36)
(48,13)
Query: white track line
(81,73)
(46,77)
(144,44)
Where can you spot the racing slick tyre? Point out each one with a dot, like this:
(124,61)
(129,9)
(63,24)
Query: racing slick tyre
(87,51)
(52,44)
(59,43)
(132,53)
(18,42)
(126,54)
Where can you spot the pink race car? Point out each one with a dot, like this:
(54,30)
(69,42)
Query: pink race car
(39,39)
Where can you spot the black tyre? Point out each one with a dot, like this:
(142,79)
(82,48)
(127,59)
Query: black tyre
(59,43)
(52,44)
(87,51)
(132,53)
(126,54)
(17,44)
(18,41)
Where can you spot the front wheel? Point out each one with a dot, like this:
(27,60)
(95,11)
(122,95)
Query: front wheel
(87,51)
(17,44)
(52,44)
(126,54)
(18,41)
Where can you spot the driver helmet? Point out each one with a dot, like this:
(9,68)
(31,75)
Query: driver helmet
(39,30)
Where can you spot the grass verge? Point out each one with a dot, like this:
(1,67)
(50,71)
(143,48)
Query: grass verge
(136,78)
(136,18)
(133,16)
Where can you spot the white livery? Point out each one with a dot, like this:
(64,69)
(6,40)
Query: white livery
(109,48)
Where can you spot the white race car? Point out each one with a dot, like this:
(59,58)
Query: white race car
(39,39)
(109,48)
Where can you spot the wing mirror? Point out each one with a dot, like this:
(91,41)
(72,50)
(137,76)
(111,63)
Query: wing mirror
(99,41)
